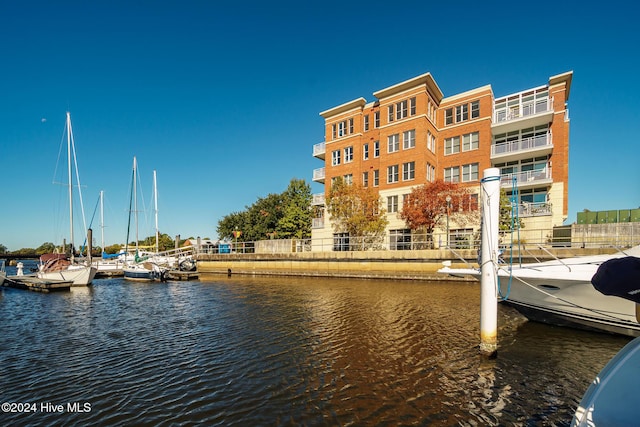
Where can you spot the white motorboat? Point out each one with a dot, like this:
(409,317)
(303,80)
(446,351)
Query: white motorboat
(560,292)
(613,397)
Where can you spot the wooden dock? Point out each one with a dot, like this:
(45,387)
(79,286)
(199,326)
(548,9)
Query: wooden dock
(32,283)
(182,275)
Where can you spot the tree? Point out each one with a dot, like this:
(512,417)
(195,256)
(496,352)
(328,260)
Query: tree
(295,222)
(286,215)
(3,249)
(356,210)
(46,248)
(426,207)
(506,214)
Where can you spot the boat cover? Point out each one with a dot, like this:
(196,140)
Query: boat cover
(619,277)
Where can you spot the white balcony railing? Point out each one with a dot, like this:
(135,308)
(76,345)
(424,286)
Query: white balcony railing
(319,150)
(503,112)
(317,199)
(526,177)
(318,174)
(540,141)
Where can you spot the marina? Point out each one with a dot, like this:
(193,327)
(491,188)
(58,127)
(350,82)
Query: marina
(240,350)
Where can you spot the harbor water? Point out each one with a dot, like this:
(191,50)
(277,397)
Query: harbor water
(272,351)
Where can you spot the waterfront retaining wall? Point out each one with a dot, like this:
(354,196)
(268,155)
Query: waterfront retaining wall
(419,264)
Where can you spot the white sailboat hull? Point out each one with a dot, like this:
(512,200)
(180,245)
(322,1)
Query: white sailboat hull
(78,275)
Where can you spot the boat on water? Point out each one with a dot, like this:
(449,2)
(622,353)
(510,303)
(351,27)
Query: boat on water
(3,273)
(560,292)
(613,397)
(58,266)
(143,268)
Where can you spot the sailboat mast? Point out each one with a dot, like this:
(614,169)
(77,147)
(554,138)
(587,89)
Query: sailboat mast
(70,181)
(155,197)
(135,199)
(102,219)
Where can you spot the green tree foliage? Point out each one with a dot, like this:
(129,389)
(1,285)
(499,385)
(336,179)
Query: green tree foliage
(295,222)
(286,215)
(3,249)
(165,242)
(506,214)
(113,249)
(46,248)
(356,210)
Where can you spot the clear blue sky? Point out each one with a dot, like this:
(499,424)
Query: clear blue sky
(222,98)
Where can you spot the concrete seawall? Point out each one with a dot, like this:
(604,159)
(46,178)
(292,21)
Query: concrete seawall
(419,264)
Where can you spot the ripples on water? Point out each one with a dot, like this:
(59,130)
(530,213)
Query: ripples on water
(286,351)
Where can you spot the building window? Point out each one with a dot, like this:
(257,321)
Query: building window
(366,122)
(393,143)
(392,174)
(448,116)
(335,158)
(400,240)
(470,172)
(452,174)
(348,179)
(390,117)
(462,113)
(392,204)
(376,119)
(409,139)
(376,149)
(401,110)
(475,109)
(408,171)
(365,151)
(365,179)
(452,145)
(348,154)
(341,242)
(412,106)
(470,141)
(333,131)
(376,178)
(342,129)
(431,172)
(431,142)
(350,126)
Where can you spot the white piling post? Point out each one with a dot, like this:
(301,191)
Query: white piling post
(490,187)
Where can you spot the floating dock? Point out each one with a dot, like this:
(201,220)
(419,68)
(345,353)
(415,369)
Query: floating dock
(182,275)
(32,283)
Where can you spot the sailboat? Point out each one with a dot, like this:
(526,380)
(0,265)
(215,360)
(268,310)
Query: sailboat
(108,265)
(143,269)
(59,266)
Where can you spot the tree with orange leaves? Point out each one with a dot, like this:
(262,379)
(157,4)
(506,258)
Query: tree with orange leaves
(356,210)
(426,207)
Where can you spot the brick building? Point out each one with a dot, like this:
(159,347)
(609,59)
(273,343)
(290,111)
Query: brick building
(412,134)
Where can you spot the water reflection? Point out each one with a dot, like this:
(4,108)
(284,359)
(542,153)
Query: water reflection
(294,351)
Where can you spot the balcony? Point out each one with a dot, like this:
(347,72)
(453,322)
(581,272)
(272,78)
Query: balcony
(527,179)
(319,150)
(534,209)
(318,175)
(317,199)
(317,222)
(536,146)
(521,110)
